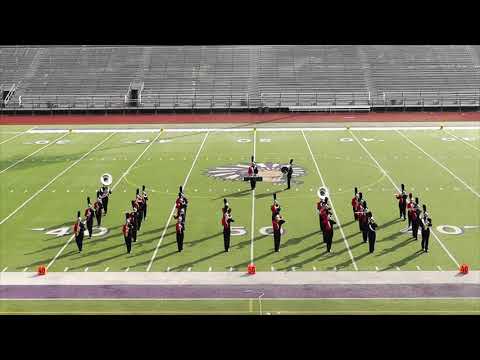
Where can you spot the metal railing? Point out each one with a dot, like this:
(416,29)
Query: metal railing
(301,101)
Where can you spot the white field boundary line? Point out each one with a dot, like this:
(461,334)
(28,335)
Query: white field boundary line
(136,160)
(459,138)
(253,199)
(266,129)
(173,208)
(113,187)
(35,152)
(440,164)
(19,134)
(331,203)
(383,171)
(460,298)
(55,178)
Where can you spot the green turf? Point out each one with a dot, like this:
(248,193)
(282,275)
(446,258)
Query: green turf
(165,166)
(244,307)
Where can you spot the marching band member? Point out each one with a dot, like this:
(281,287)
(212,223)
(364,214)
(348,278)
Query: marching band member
(410,207)
(78,230)
(275,208)
(226,220)
(145,199)
(363,220)
(328,230)
(359,211)
(184,204)
(133,221)
(139,202)
(372,234)
(277,223)
(89,214)
(127,232)
(179,228)
(252,172)
(402,202)
(98,206)
(426,225)
(104,194)
(354,204)
(415,219)
(289,173)
(226,206)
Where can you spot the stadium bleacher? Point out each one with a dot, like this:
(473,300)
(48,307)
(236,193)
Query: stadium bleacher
(293,76)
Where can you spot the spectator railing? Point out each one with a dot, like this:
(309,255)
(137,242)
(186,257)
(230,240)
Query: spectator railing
(302,101)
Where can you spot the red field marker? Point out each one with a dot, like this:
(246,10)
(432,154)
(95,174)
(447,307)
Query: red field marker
(42,270)
(464,269)
(251,269)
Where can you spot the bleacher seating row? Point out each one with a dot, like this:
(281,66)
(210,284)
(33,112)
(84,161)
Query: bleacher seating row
(241,76)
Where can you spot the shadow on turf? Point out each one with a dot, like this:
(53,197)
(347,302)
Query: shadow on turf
(234,194)
(267,194)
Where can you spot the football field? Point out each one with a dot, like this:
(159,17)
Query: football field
(46,174)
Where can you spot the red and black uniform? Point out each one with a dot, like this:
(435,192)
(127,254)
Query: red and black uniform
(89,214)
(127,232)
(78,230)
(328,231)
(426,225)
(275,208)
(410,209)
(139,206)
(402,203)
(133,221)
(363,220)
(359,211)
(180,234)
(145,199)
(354,206)
(277,231)
(415,222)
(104,194)
(226,220)
(98,207)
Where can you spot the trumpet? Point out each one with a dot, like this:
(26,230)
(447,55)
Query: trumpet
(106,179)
(323,193)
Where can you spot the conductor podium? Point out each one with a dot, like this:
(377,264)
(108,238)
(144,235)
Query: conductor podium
(256,178)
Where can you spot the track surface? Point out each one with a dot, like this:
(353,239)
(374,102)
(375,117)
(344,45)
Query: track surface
(239,291)
(239,118)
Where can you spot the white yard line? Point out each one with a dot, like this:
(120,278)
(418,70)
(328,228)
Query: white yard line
(252,230)
(113,187)
(60,251)
(14,137)
(383,171)
(440,164)
(136,160)
(55,178)
(173,208)
(36,151)
(331,203)
(465,142)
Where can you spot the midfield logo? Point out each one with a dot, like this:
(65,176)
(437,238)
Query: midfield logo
(271,172)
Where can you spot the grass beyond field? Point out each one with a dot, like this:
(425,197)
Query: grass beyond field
(44,183)
(245,307)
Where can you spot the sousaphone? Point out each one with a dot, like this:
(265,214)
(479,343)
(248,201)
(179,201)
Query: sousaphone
(323,193)
(106,179)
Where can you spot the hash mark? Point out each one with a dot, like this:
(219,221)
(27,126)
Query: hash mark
(418,268)
(210,268)
(65,270)
(231,268)
(127,269)
(439,268)
(168,268)
(293,268)
(398,268)
(272,268)
(376,268)
(189,269)
(5,269)
(25,269)
(107,268)
(86,269)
